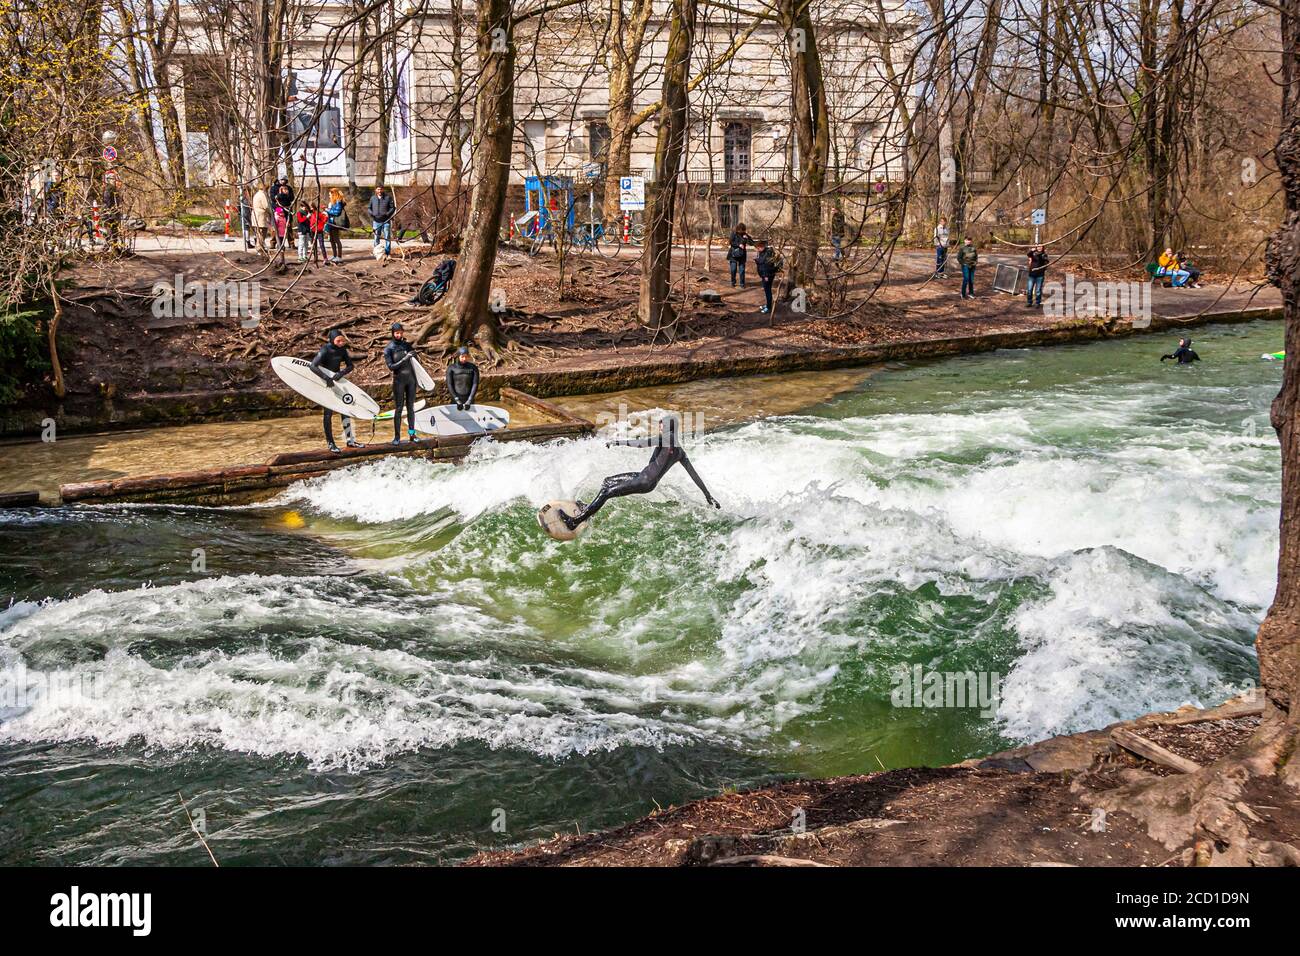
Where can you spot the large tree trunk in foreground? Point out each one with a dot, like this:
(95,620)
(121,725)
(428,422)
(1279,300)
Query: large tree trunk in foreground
(1278,642)
(1203,811)
(464,315)
(656,260)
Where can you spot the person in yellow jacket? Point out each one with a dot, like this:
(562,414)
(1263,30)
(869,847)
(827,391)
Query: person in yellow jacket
(1169,266)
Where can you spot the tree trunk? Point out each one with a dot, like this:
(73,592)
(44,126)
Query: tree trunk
(656,260)
(454,133)
(270,39)
(811,127)
(464,314)
(1278,641)
(950,206)
(52,337)
(385,90)
(626,40)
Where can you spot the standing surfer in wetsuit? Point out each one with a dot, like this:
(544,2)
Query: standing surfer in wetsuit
(462,379)
(668,452)
(1183,354)
(397,356)
(332,363)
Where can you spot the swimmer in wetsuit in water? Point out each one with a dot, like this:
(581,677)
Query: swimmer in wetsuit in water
(1183,354)
(667,452)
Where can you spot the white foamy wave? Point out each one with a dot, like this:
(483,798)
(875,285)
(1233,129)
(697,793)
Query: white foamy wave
(1117,638)
(337,701)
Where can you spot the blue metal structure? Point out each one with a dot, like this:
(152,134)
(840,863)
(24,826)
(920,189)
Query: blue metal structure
(548,195)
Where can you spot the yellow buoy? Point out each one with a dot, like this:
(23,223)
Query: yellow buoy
(292,519)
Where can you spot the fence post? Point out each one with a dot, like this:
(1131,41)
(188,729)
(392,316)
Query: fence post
(227,237)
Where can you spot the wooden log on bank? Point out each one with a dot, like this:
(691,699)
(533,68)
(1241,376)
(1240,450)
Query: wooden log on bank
(1153,751)
(549,409)
(350,455)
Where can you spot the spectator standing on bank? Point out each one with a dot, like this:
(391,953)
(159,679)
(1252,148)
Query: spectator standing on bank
(382,209)
(337,213)
(319,226)
(261,216)
(737,254)
(304,232)
(282,196)
(967,257)
(1037,264)
(768,265)
(940,240)
(837,233)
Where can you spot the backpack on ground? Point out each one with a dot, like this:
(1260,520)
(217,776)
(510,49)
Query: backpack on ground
(436,287)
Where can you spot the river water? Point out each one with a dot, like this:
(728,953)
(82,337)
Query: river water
(391,664)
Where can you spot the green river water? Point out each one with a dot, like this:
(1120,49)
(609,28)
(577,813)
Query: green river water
(391,664)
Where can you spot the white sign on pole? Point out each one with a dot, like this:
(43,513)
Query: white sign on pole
(631,193)
(1038,217)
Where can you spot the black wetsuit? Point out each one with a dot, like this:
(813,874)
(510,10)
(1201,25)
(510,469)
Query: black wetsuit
(397,356)
(330,363)
(666,454)
(1183,355)
(462,382)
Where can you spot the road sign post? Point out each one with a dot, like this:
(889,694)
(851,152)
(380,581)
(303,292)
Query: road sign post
(631,193)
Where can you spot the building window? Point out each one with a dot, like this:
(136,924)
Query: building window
(598,142)
(866,139)
(534,147)
(728,215)
(735,152)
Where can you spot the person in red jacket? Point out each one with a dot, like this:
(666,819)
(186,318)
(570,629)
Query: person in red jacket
(319,224)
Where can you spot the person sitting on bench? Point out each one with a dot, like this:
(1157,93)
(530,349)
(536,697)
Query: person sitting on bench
(1169,267)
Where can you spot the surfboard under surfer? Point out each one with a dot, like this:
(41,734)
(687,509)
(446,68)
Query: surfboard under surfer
(397,356)
(667,452)
(462,379)
(332,363)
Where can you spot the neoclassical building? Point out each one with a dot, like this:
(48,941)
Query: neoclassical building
(740,154)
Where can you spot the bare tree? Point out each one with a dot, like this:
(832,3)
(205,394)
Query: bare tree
(464,315)
(656,260)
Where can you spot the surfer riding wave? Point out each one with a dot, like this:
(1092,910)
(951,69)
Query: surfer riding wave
(667,452)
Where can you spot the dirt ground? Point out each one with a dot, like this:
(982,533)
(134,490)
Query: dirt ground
(998,811)
(114,346)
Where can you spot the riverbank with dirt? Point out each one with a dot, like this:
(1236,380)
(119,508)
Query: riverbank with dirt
(1025,807)
(125,366)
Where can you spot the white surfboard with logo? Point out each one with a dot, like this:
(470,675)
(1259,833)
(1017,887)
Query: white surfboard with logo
(341,396)
(447,420)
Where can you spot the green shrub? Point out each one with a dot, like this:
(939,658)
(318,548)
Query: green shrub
(22,352)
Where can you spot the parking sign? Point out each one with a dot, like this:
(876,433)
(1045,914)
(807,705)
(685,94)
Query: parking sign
(631,193)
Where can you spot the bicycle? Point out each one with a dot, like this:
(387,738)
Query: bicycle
(593,237)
